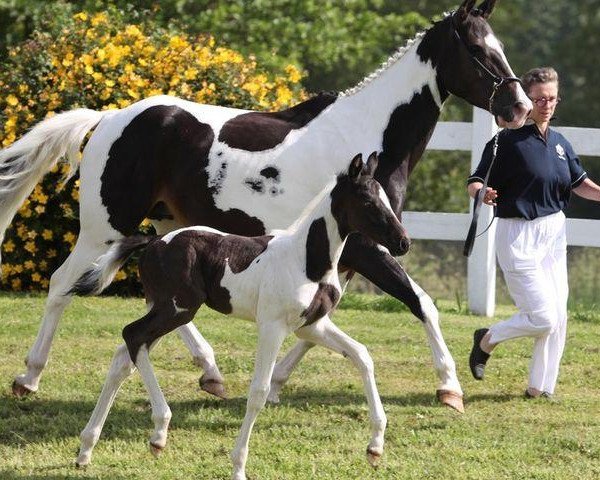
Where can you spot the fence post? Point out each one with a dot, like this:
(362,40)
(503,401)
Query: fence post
(481,266)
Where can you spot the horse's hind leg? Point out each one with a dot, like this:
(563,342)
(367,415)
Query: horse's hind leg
(85,252)
(285,367)
(203,354)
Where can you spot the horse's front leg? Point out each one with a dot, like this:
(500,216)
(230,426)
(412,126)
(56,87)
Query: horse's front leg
(378,266)
(271,335)
(324,332)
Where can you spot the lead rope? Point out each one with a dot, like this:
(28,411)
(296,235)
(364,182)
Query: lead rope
(478,200)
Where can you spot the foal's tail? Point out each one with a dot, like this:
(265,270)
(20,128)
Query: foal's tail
(103,270)
(25,162)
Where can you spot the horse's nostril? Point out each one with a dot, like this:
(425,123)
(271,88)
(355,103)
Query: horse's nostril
(404,245)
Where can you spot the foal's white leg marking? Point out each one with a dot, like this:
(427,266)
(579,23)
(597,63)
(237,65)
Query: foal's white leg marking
(324,332)
(82,256)
(161,413)
(202,353)
(270,337)
(285,367)
(120,368)
(442,359)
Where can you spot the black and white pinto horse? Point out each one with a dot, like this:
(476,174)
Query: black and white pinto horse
(286,282)
(181,163)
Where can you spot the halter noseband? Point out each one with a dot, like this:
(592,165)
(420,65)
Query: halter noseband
(497,80)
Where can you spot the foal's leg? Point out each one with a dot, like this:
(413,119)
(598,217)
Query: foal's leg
(285,367)
(324,332)
(85,252)
(161,413)
(270,337)
(202,353)
(384,271)
(120,368)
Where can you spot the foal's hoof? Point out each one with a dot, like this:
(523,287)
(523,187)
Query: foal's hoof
(155,449)
(82,461)
(213,387)
(373,456)
(21,391)
(451,399)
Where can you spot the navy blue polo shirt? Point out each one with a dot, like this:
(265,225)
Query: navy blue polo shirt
(533,176)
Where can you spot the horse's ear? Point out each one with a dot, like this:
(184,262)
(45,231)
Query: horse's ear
(371,166)
(464,9)
(487,7)
(356,167)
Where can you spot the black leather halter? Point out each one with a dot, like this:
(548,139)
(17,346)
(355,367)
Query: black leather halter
(497,81)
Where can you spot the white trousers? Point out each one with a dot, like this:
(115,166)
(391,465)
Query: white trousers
(533,258)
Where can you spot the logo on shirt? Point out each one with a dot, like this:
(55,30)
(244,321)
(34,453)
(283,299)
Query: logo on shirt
(561,151)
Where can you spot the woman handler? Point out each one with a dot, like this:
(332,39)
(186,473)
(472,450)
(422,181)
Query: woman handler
(531,182)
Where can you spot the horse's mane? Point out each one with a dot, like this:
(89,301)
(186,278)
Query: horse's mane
(397,55)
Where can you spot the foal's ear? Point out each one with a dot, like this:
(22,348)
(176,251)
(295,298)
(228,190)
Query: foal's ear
(371,166)
(487,7)
(464,9)
(356,167)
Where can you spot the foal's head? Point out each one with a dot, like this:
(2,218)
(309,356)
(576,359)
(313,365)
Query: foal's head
(471,63)
(359,204)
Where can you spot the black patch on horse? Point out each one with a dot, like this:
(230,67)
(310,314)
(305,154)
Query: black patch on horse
(217,182)
(324,301)
(318,261)
(271,172)
(255,185)
(162,155)
(191,266)
(258,131)
(404,139)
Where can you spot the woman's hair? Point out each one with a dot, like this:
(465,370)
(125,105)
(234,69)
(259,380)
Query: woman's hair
(539,75)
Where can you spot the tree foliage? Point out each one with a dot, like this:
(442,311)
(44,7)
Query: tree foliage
(102,61)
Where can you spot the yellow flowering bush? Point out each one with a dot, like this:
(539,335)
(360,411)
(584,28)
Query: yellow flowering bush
(101,61)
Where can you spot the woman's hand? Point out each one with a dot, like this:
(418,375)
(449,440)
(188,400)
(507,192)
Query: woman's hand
(490,197)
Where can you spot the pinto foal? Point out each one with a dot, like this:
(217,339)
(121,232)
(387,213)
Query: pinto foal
(287,282)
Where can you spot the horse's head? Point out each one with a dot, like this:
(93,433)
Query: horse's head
(359,204)
(472,64)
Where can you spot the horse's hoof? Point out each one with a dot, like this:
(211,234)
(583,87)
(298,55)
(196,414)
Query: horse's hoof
(82,461)
(155,449)
(213,387)
(21,391)
(373,456)
(452,399)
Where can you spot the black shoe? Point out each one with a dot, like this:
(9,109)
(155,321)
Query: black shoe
(540,395)
(478,357)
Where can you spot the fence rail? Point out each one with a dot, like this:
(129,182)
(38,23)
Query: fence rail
(481,270)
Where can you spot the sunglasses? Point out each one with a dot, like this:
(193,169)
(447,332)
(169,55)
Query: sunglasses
(543,101)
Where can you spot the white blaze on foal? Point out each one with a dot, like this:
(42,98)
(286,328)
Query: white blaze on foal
(287,282)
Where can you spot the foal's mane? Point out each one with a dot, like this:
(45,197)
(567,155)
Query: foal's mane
(395,57)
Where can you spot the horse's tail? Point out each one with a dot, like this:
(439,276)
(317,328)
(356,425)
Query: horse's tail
(26,161)
(103,270)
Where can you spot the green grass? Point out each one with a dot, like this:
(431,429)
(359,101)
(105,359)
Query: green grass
(320,430)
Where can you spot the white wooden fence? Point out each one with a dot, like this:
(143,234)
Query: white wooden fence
(481,270)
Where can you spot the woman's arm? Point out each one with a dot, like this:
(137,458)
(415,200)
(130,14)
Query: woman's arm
(588,189)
